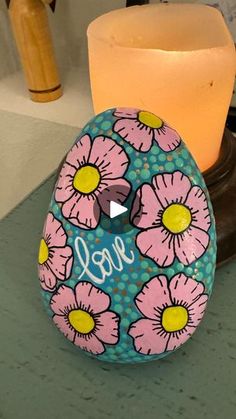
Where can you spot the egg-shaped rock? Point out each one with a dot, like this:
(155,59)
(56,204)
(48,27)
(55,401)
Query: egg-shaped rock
(128,250)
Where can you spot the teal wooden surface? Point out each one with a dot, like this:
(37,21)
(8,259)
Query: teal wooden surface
(42,375)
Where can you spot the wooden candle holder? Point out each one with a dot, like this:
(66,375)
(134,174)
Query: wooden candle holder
(33,38)
(231,119)
(221,182)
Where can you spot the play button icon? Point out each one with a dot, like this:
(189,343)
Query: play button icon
(116,219)
(116,209)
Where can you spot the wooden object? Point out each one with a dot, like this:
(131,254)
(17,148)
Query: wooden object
(31,30)
(231,119)
(221,182)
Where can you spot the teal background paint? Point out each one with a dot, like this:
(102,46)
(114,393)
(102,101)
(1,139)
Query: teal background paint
(44,376)
(123,287)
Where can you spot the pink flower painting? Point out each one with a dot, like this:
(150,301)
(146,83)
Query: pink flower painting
(83,316)
(90,178)
(172,311)
(174,217)
(141,128)
(55,258)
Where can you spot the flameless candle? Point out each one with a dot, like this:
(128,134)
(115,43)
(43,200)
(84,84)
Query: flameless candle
(175,60)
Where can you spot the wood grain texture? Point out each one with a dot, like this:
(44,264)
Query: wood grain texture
(33,38)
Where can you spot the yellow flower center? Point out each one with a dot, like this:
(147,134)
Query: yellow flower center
(174,318)
(149,119)
(43,252)
(86,179)
(176,218)
(81,321)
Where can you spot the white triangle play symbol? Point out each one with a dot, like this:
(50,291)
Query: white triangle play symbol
(116,209)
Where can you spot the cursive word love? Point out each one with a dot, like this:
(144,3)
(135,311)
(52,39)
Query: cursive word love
(103,260)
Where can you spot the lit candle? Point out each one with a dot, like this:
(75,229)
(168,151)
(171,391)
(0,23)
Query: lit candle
(175,60)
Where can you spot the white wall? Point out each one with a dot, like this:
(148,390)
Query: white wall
(9,61)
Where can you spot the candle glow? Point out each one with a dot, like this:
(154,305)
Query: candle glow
(175,60)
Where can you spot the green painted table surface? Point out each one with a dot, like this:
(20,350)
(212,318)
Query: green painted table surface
(44,376)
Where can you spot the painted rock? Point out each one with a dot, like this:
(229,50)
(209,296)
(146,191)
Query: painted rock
(130,286)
